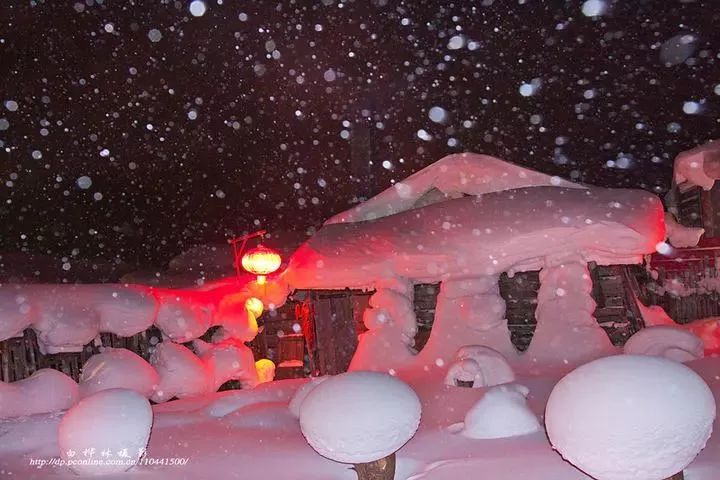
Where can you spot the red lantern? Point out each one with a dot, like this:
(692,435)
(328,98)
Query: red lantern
(261,261)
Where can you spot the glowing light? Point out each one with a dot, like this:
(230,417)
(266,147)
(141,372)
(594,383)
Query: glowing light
(663,248)
(255,306)
(261,261)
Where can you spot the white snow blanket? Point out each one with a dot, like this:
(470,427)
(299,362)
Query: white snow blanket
(265,439)
(67,317)
(450,177)
(513,230)
(44,391)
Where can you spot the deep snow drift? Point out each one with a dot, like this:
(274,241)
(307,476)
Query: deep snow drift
(252,434)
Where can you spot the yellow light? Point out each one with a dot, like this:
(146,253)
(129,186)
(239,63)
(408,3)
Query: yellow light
(255,305)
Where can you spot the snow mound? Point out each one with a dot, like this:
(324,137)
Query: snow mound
(181,316)
(238,315)
(630,417)
(115,420)
(181,372)
(44,391)
(450,177)
(359,417)
(501,413)
(118,368)
(124,310)
(65,325)
(228,360)
(679,235)
(672,343)
(699,166)
(265,370)
(297,400)
(481,365)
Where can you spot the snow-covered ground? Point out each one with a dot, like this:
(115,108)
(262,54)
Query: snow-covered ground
(252,434)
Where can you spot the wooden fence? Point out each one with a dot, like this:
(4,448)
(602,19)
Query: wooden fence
(20,357)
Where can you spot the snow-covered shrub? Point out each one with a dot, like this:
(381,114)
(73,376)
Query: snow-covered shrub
(118,368)
(673,343)
(359,418)
(630,417)
(181,372)
(45,391)
(482,366)
(115,420)
(502,412)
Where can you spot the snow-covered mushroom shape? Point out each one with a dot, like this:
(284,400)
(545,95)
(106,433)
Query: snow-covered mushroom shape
(302,393)
(502,412)
(670,342)
(117,420)
(481,365)
(626,417)
(361,418)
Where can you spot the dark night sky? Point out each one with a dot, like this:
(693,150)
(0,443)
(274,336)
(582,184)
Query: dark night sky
(259,114)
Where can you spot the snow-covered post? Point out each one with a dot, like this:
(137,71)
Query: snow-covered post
(468,312)
(361,418)
(630,417)
(391,323)
(564,314)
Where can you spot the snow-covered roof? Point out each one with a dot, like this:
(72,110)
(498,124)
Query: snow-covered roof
(511,219)
(450,177)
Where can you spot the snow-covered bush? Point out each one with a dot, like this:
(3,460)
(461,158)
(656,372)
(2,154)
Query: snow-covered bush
(673,343)
(45,391)
(630,417)
(115,420)
(482,366)
(361,418)
(181,372)
(118,368)
(502,412)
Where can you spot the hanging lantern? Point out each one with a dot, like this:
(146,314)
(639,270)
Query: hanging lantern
(261,261)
